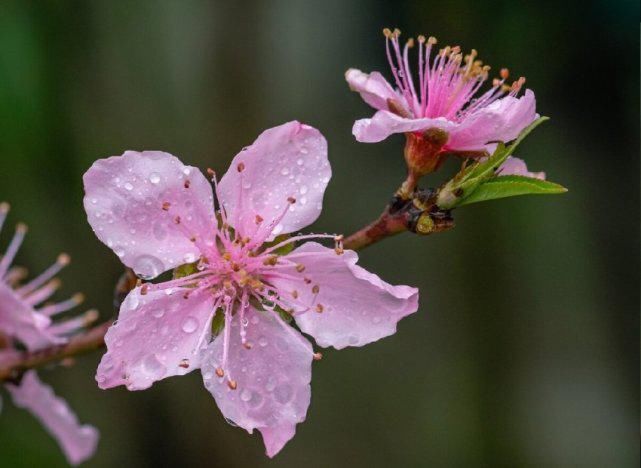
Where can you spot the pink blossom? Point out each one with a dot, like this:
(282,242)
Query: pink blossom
(443,98)
(516,166)
(25,320)
(157,214)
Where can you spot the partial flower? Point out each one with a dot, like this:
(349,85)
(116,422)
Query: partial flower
(228,310)
(516,166)
(27,321)
(444,112)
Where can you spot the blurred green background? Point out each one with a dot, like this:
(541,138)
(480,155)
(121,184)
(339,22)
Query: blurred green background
(525,351)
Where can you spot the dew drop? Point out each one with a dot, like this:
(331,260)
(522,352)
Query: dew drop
(303,189)
(158,313)
(262,341)
(153,367)
(128,186)
(148,266)
(284,171)
(190,325)
(154,178)
(283,393)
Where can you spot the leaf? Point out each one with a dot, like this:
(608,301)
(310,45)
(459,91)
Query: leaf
(185,270)
(218,322)
(467,181)
(511,186)
(285,249)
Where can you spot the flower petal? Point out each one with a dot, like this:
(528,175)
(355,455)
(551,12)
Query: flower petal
(385,123)
(516,166)
(273,378)
(156,336)
(78,442)
(124,197)
(373,88)
(22,322)
(285,161)
(502,120)
(352,306)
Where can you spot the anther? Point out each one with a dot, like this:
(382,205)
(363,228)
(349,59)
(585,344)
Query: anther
(295,294)
(211,173)
(21,228)
(387,32)
(4,208)
(227,256)
(240,167)
(316,289)
(78,298)
(166,205)
(431,40)
(220,372)
(307,280)
(144,289)
(247,345)
(319,308)
(192,238)
(259,219)
(410,42)
(421,39)
(300,268)
(397,32)
(177,220)
(232,384)
(504,73)
(184,363)
(187,184)
(63,259)
(89,317)
(271,260)
(318,356)
(291,200)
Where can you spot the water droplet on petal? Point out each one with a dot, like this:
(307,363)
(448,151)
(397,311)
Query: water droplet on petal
(262,341)
(283,393)
(148,266)
(154,177)
(128,186)
(190,325)
(153,367)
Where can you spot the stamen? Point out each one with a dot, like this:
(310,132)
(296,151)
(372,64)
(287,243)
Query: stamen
(12,250)
(62,261)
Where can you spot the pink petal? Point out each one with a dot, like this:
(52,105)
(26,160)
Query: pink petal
(285,161)
(156,336)
(357,306)
(373,88)
(124,196)
(516,166)
(385,123)
(22,322)
(273,378)
(78,442)
(502,120)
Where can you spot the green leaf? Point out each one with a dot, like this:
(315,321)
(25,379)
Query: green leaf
(185,270)
(218,322)
(511,186)
(285,249)
(466,182)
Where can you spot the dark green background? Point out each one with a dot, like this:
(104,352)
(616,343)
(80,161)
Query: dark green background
(525,348)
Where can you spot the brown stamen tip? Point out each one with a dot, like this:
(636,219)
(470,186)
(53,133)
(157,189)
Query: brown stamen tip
(410,42)
(187,184)
(300,268)
(247,345)
(291,200)
(232,384)
(211,173)
(318,356)
(166,205)
(397,32)
(259,219)
(421,39)
(21,228)
(143,289)
(295,294)
(320,308)
(315,289)
(240,167)
(192,238)
(431,40)
(63,259)
(504,73)
(307,280)
(387,32)
(271,260)
(220,372)
(90,317)
(4,207)
(78,298)
(67,362)
(339,251)
(184,363)
(177,220)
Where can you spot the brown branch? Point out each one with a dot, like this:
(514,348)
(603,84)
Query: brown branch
(15,365)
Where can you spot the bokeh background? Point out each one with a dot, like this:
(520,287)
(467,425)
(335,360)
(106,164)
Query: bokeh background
(525,351)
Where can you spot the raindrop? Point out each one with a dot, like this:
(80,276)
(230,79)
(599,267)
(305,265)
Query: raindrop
(128,186)
(148,266)
(283,393)
(158,313)
(262,341)
(153,367)
(154,177)
(190,325)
